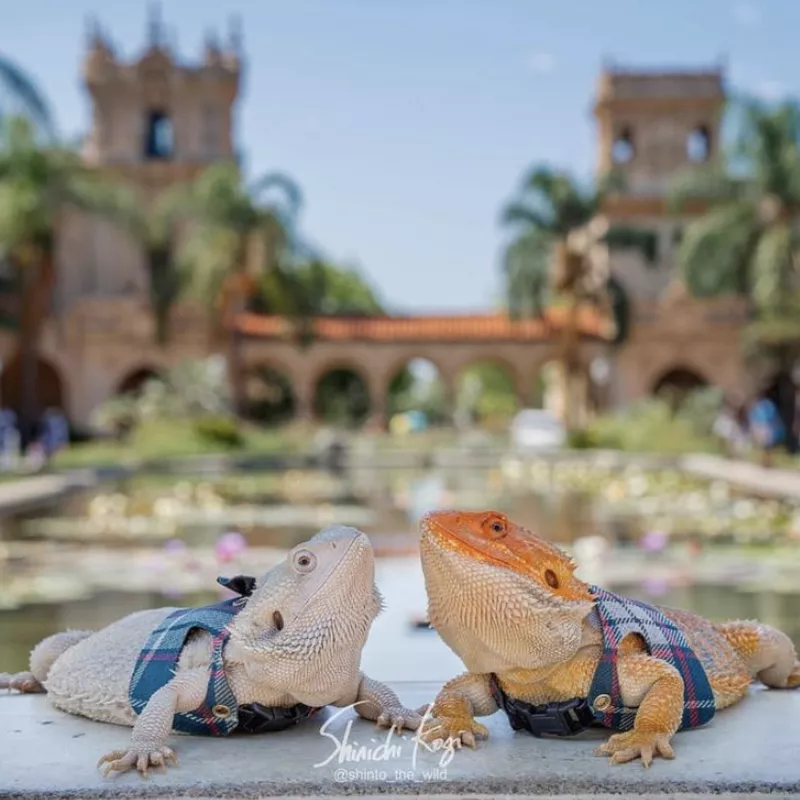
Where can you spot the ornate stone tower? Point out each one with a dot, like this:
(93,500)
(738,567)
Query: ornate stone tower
(652,125)
(155,122)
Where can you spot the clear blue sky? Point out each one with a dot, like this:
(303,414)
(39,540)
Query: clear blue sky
(408,122)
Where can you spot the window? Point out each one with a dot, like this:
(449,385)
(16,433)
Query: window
(698,144)
(159,138)
(622,150)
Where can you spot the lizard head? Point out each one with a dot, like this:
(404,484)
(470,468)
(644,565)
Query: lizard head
(317,604)
(499,595)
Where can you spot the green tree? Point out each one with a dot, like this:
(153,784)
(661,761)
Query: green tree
(154,227)
(316,287)
(496,396)
(558,255)
(37,184)
(237,233)
(747,243)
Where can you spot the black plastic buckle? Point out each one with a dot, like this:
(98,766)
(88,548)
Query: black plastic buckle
(243,585)
(567,718)
(255,718)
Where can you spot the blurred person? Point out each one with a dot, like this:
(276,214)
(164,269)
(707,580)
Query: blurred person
(730,426)
(9,440)
(766,427)
(55,431)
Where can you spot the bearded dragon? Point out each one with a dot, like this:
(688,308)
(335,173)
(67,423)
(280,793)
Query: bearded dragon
(509,605)
(296,640)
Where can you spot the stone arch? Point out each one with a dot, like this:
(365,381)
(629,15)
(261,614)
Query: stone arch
(429,391)
(678,381)
(134,380)
(270,395)
(488,388)
(51,390)
(339,400)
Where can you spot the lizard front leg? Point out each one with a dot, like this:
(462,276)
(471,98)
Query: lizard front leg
(378,703)
(148,748)
(656,687)
(456,706)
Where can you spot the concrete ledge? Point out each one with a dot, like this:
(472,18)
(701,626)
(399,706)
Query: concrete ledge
(752,749)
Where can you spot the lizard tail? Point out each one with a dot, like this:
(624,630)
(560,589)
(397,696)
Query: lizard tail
(768,653)
(43,656)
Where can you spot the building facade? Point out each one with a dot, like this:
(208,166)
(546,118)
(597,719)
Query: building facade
(156,122)
(651,126)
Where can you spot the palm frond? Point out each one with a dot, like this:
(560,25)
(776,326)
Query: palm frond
(289,200)
(714,254)
(526,269)
(772,268)
(520,213)
(712,183)
(20,95)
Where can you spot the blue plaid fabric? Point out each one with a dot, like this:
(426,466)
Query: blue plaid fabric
(618,616)
(158,660)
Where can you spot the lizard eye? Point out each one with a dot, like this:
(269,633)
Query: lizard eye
(277,618)
(496,527)
(304,561)
(551,579)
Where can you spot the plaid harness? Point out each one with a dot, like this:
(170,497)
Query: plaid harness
(616,617)
(157,661)
(219,714)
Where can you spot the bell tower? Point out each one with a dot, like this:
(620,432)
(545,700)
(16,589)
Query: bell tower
(155,119)
(652,125)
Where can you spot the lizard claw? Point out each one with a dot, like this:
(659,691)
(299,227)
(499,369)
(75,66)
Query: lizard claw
(23,682)
(142,758)
(399,718)
(457,730)
(624,747)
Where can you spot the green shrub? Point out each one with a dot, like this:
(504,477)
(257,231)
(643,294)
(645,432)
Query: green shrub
(654,426)
(222,431)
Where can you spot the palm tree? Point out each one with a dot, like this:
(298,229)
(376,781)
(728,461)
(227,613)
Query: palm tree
(154,227)
(19,96)
(237,233)
(37,184)
(747,243)
(559,253)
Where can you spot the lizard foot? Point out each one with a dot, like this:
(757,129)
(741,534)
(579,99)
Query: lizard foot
(21,682)
(142,758)
(623,747)
(793,681)
(459,730)
(399,718)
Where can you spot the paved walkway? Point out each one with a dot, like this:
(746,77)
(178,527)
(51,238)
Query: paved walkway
(753,747)
(772,482)
(38,491)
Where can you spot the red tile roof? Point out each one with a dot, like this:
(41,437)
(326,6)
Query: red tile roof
(458,327)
